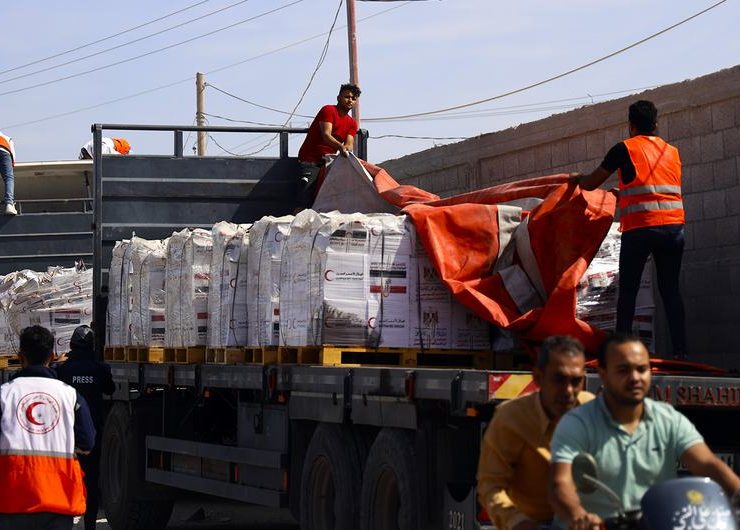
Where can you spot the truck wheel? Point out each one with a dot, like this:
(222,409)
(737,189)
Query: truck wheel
(390,498)
(121,485)
(330,482)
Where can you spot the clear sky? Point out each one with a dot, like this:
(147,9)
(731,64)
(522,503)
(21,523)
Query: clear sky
(414,57)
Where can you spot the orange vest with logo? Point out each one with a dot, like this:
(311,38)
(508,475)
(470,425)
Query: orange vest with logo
(653,198)
(5,144)
(39,470)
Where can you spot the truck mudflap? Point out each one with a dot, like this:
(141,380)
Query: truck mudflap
(462,511)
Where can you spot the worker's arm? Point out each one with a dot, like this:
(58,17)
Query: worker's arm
(500,451)
(565,501)
(702,462)
(328,139)
(593,180)
(349,143)
(84,427)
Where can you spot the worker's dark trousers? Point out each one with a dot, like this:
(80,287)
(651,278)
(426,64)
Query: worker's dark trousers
(35,521)
(665,243)
(91,467)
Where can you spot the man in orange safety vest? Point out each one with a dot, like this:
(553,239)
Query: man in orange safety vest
(651,217)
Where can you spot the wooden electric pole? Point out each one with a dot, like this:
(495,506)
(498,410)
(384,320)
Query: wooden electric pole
(354,74)
(200,108)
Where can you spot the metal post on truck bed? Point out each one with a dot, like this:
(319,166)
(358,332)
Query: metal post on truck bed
(98,319)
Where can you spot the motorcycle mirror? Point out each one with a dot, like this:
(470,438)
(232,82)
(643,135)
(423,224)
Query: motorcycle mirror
(583,466)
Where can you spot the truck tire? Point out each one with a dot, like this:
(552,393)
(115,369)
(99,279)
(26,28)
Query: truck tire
(121,485)
(390,497)
(331,480)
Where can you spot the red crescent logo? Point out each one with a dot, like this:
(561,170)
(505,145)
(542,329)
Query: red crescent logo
(29,413)
(371,322)
(38,412)
(329,275)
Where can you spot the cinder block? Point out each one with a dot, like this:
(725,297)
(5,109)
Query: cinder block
(491,170)
(725,172)
(712,147)
(577,149)
(679,125)
(687,178)
(731,139)
(733,200)
(723,114)
(689,149)
(560,153)
(614,135)
(713,204)
(511,165)
(543,157)
(688,234)
(702,177)
(595,147)
(693,205)
(730,232)
(526,160)
(701,120)
(705,234)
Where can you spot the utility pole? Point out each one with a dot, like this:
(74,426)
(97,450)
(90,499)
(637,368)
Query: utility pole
(200,108)
(354,75)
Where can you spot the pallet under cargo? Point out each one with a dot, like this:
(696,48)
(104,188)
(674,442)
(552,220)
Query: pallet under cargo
(6,361)
(309,355)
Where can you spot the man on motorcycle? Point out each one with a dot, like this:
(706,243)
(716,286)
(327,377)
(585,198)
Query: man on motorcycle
(515,453)
(635,440)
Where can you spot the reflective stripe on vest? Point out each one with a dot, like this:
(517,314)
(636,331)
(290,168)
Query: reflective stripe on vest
(37,462)
(653,197)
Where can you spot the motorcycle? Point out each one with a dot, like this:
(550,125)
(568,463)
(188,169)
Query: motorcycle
(688,503)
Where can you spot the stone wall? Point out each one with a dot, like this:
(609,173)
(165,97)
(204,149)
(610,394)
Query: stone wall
(700,116)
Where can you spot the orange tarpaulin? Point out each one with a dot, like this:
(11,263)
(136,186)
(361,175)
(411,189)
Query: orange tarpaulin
(462,236)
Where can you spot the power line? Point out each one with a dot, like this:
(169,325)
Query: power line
(189,79)
(420,137)
(322,57)
(60,54)
(253,103)
(221,147)
(242,121)
(553,78)
(104,67)
(60,65)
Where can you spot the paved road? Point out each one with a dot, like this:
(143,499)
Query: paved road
(220,515)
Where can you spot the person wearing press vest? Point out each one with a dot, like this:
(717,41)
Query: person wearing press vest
(651,217)
(91,378)
(44,424)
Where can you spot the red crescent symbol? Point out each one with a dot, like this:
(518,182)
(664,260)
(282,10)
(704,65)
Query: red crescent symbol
(326,275)
(371,322)
(29,412)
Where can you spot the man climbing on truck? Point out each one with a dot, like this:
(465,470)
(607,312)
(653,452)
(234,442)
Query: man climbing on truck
(651,217)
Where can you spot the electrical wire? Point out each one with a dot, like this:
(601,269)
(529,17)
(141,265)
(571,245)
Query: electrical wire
(189,79)
(549,79)
(420,137)
(82,46)
(255,104)
(322,57)
(221,147)
(242,121)
(152,52)
(176,26)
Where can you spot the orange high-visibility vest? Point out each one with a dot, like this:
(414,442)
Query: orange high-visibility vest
(7,144)
(653,198)
(39,470)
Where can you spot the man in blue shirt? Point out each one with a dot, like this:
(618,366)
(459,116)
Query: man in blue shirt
(635,440)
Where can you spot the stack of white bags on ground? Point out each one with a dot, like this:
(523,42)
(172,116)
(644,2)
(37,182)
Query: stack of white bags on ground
(597,293)
(59,299)
(309,280)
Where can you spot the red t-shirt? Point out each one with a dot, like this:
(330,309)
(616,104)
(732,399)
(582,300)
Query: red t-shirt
(313,147)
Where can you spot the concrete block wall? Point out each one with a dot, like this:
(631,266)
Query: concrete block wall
(700,116)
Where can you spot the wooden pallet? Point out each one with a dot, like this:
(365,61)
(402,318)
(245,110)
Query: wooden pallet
(114,353)
(9,361)
(145,354)
(231,355)
(406,357)
(185,355)
(299,354)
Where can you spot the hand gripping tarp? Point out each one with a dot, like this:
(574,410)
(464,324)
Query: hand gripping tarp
(513,253)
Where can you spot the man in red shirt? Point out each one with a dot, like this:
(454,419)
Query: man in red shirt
(333,129)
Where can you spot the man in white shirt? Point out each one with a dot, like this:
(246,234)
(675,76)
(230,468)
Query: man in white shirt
(110,146)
